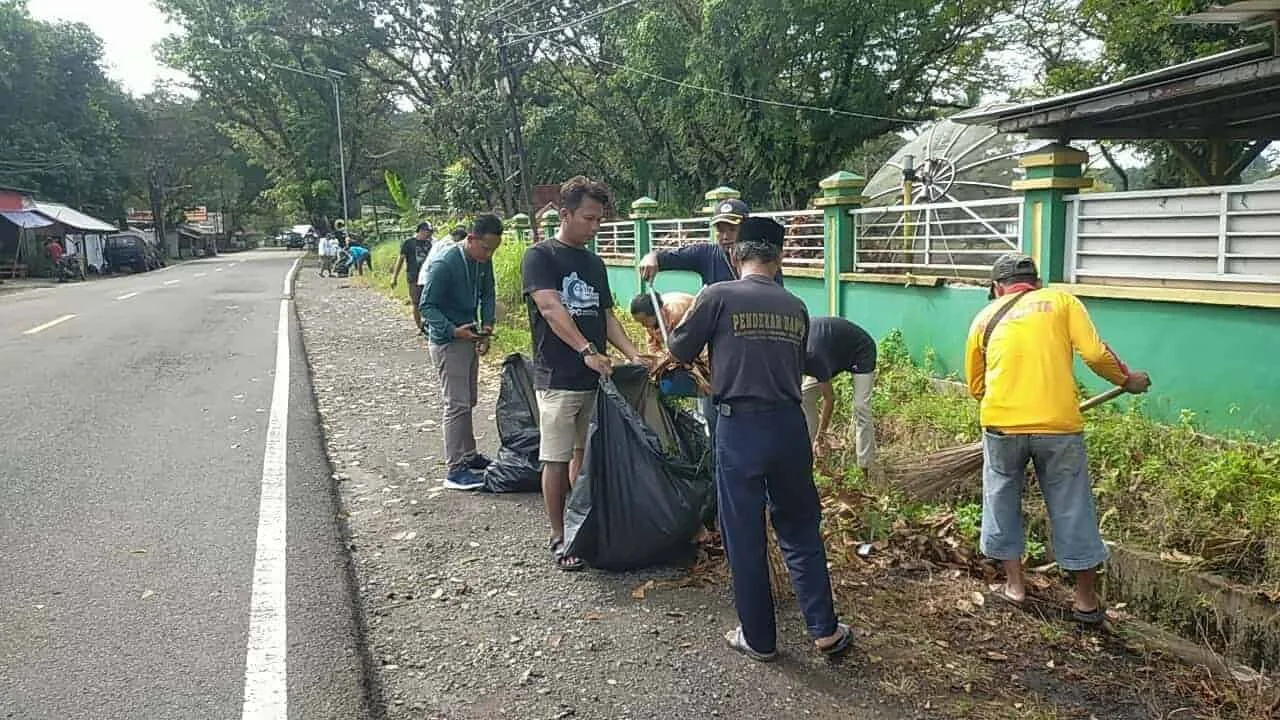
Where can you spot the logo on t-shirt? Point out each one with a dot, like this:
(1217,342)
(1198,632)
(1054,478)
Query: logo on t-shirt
(578,296)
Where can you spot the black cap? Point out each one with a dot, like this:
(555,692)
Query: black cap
(424,227)
(762,230)
(1014,266)
(732,211)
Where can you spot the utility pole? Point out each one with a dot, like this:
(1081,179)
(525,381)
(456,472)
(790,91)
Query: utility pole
(508,80)
(332,76)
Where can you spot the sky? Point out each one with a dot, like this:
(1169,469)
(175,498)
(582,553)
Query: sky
(129,30)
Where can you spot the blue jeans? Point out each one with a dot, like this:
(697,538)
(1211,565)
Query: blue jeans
(763,458)
(1063,474)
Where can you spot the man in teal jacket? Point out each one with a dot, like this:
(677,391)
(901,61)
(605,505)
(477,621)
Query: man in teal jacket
(457,315)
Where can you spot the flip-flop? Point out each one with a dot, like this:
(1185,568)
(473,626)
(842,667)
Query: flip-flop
(567,563)
(738,641)
(1093,618)
(1000,591)
(840,646)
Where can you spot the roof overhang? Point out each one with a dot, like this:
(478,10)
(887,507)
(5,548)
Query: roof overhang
(1248,14)
(1230,96)
(73,219)
(26,219)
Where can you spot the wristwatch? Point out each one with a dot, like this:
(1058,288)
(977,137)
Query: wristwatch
(589,350)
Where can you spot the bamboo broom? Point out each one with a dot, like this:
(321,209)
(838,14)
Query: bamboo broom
(940,474)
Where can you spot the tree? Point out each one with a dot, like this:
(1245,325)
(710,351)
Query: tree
(284,121)
(61,116)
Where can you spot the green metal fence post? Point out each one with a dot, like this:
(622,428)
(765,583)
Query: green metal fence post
(642,211)
(841,193)
(1053,172)
(520,222)
(550,224)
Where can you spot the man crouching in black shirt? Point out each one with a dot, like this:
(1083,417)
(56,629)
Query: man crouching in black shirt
(757,332)
(571,316)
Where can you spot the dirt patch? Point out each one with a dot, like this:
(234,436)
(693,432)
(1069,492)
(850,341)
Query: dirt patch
(468,619)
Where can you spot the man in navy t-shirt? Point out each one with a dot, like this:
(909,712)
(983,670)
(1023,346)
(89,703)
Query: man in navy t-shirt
(757,334)
(836,346)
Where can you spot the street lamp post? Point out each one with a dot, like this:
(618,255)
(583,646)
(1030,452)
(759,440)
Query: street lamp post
(332,76)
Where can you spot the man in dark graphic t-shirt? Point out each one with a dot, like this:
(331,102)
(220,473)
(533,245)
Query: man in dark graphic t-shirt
(757,332)
(413,252)
(570,305)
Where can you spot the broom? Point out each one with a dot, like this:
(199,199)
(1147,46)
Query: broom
(939,473)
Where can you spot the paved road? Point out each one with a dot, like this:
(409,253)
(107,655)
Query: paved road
(143,563)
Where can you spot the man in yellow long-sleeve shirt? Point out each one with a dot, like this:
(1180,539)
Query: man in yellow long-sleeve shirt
(1018,361)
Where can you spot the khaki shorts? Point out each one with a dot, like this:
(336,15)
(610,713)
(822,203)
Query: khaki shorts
(563,419)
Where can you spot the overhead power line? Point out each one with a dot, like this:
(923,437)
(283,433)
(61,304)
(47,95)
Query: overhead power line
(714,91)
(536,33)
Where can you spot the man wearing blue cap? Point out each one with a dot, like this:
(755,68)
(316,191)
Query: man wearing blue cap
(757,332)
(713,262)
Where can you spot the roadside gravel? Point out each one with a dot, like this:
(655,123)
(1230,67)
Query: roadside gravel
(466,617)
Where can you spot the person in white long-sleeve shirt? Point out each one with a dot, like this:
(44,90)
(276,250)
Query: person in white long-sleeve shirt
(328,249)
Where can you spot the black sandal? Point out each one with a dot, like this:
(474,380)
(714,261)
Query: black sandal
(568,563)
(1093,618)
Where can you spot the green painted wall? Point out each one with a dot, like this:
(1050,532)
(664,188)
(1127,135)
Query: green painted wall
(1216,361)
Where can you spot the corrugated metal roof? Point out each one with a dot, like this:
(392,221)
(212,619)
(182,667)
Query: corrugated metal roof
(26,219)
(1244,12)
(72,218)
(1217,90)
(988,115)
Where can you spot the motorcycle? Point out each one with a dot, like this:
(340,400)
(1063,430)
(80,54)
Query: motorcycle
(68,268)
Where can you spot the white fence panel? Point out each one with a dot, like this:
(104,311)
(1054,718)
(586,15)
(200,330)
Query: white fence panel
(1218,235)
(949,238)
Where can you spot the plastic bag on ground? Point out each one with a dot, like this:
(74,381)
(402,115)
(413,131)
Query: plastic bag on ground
(517,468)
(645,482)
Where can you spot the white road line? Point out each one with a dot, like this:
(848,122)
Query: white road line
(172,282)
(126,296)
(288,279)
(47,325)
(265,674)
(199,274)
(217,269)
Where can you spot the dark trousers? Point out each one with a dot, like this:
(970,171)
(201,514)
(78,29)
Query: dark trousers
(763,458)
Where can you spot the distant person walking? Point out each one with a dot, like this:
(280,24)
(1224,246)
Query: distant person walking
(413,253)
(837,346)
(1018,362)
(458,310)
(570,306)
(328,249)
(757,332)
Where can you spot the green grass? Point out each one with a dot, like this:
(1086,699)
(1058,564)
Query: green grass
(1157,486)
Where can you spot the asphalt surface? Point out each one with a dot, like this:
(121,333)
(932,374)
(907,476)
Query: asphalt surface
(131,464)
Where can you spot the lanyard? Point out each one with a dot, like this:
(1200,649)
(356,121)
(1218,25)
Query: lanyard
(724,255)
(473,284)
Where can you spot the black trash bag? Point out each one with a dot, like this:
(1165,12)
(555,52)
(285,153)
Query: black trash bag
(517,468)
(645,481)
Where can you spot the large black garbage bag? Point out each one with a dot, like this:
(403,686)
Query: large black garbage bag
(516,469)
(645,481)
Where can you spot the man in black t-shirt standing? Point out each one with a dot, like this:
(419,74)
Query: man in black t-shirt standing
(757,333)
(413,252)
(835,346)
(570,306)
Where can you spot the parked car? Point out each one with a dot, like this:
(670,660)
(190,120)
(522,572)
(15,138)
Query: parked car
(134,251)
(294,241)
